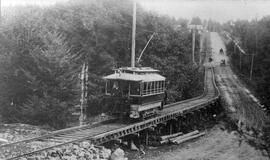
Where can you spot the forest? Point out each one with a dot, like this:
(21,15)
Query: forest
(43,50)
(253,37)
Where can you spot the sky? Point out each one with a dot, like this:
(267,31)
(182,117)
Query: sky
(6,3)
(218,10)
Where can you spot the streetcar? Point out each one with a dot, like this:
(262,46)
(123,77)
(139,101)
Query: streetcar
(137,92)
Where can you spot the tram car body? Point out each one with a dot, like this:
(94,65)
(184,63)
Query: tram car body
(141,90)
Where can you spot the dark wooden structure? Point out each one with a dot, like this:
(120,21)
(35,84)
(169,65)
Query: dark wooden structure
(142,89)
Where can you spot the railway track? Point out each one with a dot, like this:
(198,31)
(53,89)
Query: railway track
(109,130)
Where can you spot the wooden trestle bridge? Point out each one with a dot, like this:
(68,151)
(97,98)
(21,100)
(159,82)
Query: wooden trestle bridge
(110,130)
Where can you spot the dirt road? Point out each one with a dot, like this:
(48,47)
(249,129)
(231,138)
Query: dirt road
(241,104)
(219,143)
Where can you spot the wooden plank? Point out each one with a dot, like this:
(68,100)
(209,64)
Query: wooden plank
(184,136)
(189,138)
(171,136)
(164,141)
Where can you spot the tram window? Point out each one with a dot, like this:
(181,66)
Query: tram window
(125,87)
(116,88)
(144,88)
(156,87)
(162,85)
(115,85)
(149,86)
(152,87)
(109,86)
(134,88)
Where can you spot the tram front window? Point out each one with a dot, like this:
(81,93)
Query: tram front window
(134,88)
(115,89)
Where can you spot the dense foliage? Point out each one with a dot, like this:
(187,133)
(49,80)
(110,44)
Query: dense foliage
(247,33)
(253,37)
(43,49)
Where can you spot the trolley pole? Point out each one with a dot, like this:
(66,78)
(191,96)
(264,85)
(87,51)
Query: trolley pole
(193,45)
(133,35)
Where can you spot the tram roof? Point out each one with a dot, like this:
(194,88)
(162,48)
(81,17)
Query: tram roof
(135,77)
(138,69)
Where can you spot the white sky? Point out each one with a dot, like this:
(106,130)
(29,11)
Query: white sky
(6,3)
(219,10)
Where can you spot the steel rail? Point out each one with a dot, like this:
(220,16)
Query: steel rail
(51,147)
(52,136)
(54,133)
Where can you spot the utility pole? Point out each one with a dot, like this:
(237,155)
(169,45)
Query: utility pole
(84,94)
(133,35)
(252,58)
(0,12)
(193,45)
(201,46)
(240,60)
(251,67)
